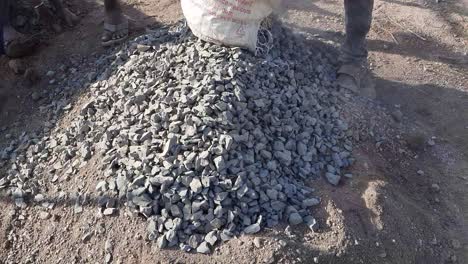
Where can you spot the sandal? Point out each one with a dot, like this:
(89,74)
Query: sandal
(21,47)
(358,79)
(114,34)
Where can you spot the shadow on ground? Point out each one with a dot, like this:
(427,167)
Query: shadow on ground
(74,50)
(384,215)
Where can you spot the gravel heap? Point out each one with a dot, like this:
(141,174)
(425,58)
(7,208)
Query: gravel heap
(207,142)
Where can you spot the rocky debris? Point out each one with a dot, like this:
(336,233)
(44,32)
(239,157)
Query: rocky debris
(108,249)
(258,242)
(207,142)
(110,211)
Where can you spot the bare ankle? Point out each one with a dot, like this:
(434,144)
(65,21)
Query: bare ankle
(114,17)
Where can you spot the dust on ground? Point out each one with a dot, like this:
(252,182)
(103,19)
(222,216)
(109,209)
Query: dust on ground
(388,212)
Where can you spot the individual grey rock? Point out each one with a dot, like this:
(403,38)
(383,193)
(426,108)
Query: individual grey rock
(252,229)
(333,178)
(142,200)
(435,187)
(195,240)
(397,115)
(278,146)
(258,242)
(272,194)
(170,143)
(295,219)
(108,246)
(110,211)
(108,258)
(161,180)
(219,163)
(85,151)
(226,235)
(228,141)
(310,202)
(283,156)
(196,185)
(171,237)
(211,237)
(161,242)
(203,248)
(143,48)
(217,223)
(431,142)
(18,193)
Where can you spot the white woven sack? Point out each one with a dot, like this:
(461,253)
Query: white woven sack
(229,22)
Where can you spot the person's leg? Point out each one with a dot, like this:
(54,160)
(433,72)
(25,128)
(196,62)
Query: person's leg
(358,22)
(14,43)
(353,74)
(115,24)
(4,17)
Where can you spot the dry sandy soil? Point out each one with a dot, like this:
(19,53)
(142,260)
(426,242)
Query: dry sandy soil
(388,213)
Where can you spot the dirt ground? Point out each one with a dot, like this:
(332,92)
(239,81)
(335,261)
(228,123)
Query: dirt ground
(407,201)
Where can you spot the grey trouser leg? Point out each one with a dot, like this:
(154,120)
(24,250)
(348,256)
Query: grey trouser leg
(4,20)
(111,5)
(358,22)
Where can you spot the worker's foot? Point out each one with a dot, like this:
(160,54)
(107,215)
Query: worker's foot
(115,29)
(358,79)
(17,45)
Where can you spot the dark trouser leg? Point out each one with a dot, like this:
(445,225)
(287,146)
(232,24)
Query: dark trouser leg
(4,21)
(116,24)
(358,22)
(112,6)
(2,48)
(58,7)
(113,10)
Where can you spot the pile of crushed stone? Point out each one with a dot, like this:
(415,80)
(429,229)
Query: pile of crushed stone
(207,142)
